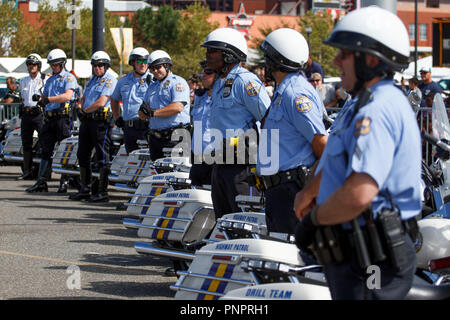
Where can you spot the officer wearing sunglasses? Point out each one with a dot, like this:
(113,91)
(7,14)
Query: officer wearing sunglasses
(130,90)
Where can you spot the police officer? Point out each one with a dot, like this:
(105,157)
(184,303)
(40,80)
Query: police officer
(296,115)
(31,115)
(166,104)
(131,90)
(55,100)
(239,100)
(367,182)
(95,128)
(200,173)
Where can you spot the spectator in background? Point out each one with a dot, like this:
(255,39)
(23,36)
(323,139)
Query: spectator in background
(428,85)
(313,67)
(13,94)
(341,95)
(413,93)
(326,91)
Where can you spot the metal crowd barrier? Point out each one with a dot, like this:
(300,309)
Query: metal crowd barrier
(9,110)
(424,121)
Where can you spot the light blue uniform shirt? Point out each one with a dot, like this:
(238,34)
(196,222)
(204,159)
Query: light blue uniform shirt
(97,87)
(238,100)
(383,141)
(296,112)
(201,113)
(131,91)
(58,84)
(162,93)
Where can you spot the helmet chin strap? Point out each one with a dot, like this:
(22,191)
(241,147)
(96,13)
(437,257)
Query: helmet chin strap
(364,73)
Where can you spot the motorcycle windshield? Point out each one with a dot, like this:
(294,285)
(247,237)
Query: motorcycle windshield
(441,130)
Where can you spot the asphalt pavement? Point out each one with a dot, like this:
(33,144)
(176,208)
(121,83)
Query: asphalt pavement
(54,248)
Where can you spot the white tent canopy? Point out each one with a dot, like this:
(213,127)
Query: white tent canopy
(436,72)
(16,67)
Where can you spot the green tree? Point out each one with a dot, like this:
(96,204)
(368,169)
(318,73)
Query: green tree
(256,42)
(10,19)
(155,30)
(179,33)
(54,33)
(191,32)
(321,25)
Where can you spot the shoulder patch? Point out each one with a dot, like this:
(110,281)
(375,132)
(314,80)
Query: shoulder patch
(70,78)
(179,87)
(108,83)
(252,88)
(362,126)
(303,104)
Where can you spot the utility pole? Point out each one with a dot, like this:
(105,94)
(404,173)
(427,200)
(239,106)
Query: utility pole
(415,37)
(98,25)
(73,35)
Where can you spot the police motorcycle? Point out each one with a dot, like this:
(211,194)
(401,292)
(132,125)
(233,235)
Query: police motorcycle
(138,165)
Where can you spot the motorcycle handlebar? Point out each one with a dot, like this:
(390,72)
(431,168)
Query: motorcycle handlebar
(435,141)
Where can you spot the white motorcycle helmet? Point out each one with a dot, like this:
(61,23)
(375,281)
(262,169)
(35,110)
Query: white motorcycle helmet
(101,57)
(230,41)
(287,49)
(159,57)
(375,31)
(56,56)
(34,58)
(138,53)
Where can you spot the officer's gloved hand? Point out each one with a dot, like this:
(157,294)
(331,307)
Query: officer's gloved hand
(120,123)
(43,102)
(81,113)
(146,110)
(35,97)
(304,232)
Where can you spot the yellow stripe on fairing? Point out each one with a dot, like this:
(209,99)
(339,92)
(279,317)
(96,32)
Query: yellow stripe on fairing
(165,223)
(215,283)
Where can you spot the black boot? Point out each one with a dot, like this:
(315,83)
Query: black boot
(102,195)
(63,184)
(85,188)
(27,166)
(41,184)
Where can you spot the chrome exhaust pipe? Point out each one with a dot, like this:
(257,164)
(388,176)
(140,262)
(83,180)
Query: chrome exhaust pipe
(123,187)
(66,171)
(131,223)
(146,247)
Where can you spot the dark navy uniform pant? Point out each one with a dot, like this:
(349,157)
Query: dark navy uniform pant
(280,215)
(157,145)
(54,130)
(131,135)
(94,134)
(228,181)
(29,124)
(200,174)
(348,281)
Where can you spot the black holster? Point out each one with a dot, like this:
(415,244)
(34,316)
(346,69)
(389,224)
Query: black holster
(330,245)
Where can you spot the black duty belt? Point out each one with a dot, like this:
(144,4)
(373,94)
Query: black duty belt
(137,124)
(98,116)
(56,114)
(32,111)
(166,134)
(299,175)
